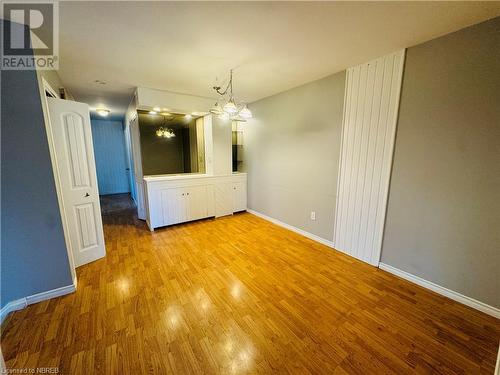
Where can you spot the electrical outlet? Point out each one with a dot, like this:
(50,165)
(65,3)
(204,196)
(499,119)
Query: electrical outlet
(313,215)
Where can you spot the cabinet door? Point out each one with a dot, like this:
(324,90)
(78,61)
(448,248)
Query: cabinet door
(173,204)
(239,196)
(196,202)
(223,199)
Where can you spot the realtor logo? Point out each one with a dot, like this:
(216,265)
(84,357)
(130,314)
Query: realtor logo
(30,35)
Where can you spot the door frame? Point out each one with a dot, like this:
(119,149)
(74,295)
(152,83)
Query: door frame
(45,86)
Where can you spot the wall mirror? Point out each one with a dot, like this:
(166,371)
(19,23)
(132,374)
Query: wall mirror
(171,143)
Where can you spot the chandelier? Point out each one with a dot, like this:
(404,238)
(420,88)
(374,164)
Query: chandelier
(165,133)
(227,107)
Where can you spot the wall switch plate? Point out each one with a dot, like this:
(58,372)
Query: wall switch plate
(313,215)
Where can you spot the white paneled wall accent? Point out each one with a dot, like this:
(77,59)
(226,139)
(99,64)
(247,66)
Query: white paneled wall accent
(369,126)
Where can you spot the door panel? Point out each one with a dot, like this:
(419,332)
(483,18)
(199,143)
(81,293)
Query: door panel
(239,196)
(86,224)
(71,132)
(173,206)
(223,199)
(196,202)
(76,150)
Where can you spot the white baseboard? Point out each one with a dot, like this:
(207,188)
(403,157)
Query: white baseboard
(21,303)
(292,228)
(471,302)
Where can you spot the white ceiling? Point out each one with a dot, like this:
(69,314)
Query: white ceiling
(273,46)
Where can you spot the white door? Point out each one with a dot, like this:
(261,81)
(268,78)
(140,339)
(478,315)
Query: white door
(71,132)
(239,196)
(369,126)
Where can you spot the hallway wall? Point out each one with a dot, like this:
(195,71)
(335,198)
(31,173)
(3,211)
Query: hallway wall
(110,156)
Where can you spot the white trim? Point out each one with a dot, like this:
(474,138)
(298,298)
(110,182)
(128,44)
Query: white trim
(471,302)
(292,228)
(21,303)
(3,368)
(497,367)
(18,304)
(48,87)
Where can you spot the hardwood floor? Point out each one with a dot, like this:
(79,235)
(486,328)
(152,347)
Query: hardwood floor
(241,295)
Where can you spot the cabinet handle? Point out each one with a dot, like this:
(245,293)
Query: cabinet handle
(183,194)
(187,193)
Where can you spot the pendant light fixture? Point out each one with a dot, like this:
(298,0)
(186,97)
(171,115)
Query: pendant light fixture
(164,132)
(230,107)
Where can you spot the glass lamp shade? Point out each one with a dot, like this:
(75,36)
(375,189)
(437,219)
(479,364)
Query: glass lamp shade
(245,112)
(230,107)
(102,111)
(216,109)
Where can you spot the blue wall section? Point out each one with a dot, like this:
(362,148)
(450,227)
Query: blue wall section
(110,157)
(34,256)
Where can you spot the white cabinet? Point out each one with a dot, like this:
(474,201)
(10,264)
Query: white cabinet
(176,199)
(183,204)
(239,196)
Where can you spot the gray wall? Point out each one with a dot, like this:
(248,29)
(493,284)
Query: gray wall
(443,218)
(34,257)
(292,149)
(222,146)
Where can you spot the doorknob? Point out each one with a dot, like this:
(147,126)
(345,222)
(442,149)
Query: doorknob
(87,195)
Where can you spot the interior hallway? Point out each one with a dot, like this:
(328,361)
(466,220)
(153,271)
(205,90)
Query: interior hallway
(241,295)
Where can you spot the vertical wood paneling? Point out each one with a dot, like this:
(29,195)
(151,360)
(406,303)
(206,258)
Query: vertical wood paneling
(370,114)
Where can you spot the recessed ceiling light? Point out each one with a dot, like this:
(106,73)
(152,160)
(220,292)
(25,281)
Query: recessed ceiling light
(188,116)
(102,111)
(157,109)
(152,112)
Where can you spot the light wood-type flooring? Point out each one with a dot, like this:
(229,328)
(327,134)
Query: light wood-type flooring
(240,295)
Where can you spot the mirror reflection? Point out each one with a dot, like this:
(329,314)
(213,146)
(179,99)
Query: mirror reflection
(171,143)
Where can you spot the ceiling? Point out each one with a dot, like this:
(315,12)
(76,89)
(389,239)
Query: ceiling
(273,46)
